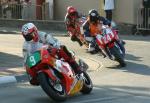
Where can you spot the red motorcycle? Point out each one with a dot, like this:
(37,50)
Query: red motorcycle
(110,41)
(55,76)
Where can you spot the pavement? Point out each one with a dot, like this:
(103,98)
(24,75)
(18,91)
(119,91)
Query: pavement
(11,67)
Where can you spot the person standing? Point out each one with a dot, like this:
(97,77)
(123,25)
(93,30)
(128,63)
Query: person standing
(5,8)
(26,9)
(1,9)
(13,8)
(108,7)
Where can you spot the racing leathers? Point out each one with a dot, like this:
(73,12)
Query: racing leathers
(91,30)
(71,27)
(30,47)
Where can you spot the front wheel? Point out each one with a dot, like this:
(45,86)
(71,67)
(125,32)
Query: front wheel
(53,89)
(87,85)
(118,56)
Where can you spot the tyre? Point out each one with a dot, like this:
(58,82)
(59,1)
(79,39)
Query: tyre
(121,46)
(54,90)
(87,85)
(118,56)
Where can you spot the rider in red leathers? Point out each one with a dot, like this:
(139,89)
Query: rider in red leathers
(72,17)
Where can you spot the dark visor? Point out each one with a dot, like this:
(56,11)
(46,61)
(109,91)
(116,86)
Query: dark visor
(28,37)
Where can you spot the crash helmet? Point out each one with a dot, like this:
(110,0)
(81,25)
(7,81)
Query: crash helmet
(93,16)
(72,12)
(30,32)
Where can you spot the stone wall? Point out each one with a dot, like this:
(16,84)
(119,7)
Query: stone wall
(58,25)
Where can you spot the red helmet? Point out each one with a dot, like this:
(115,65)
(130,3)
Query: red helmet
(29,32)
(72,12)
(71,9)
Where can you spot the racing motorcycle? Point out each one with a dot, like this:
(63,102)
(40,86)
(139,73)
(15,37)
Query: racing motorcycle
(111,45)
(55,76)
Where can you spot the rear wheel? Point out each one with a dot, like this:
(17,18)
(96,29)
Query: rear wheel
(87,85)
(54,89)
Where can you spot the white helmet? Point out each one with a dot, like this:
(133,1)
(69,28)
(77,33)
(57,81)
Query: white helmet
(29,32)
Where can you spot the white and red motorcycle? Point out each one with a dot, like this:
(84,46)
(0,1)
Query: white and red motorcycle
(111,45)
(55,76)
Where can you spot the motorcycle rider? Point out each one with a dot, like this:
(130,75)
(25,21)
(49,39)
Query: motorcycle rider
(92,27)
(72,17)
(35,39)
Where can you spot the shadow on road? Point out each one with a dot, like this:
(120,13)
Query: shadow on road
(118,90)
(100,94)
(133,68)
(8,61)
(133,57)
(136,37)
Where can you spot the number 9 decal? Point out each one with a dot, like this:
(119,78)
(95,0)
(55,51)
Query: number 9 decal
(32,60)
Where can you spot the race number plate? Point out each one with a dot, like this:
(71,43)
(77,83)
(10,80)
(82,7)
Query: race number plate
(33,59)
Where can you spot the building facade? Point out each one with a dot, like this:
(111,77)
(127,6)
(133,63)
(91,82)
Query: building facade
(125,10)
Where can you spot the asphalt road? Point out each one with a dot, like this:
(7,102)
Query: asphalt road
(130,84)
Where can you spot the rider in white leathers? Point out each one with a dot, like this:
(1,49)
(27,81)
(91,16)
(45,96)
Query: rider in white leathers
(34,40)
(43,38)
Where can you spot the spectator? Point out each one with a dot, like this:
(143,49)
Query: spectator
(0,9)
(145,12)
(108,7)
(5,7)
(19,9)
(13,8)
(26,9)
